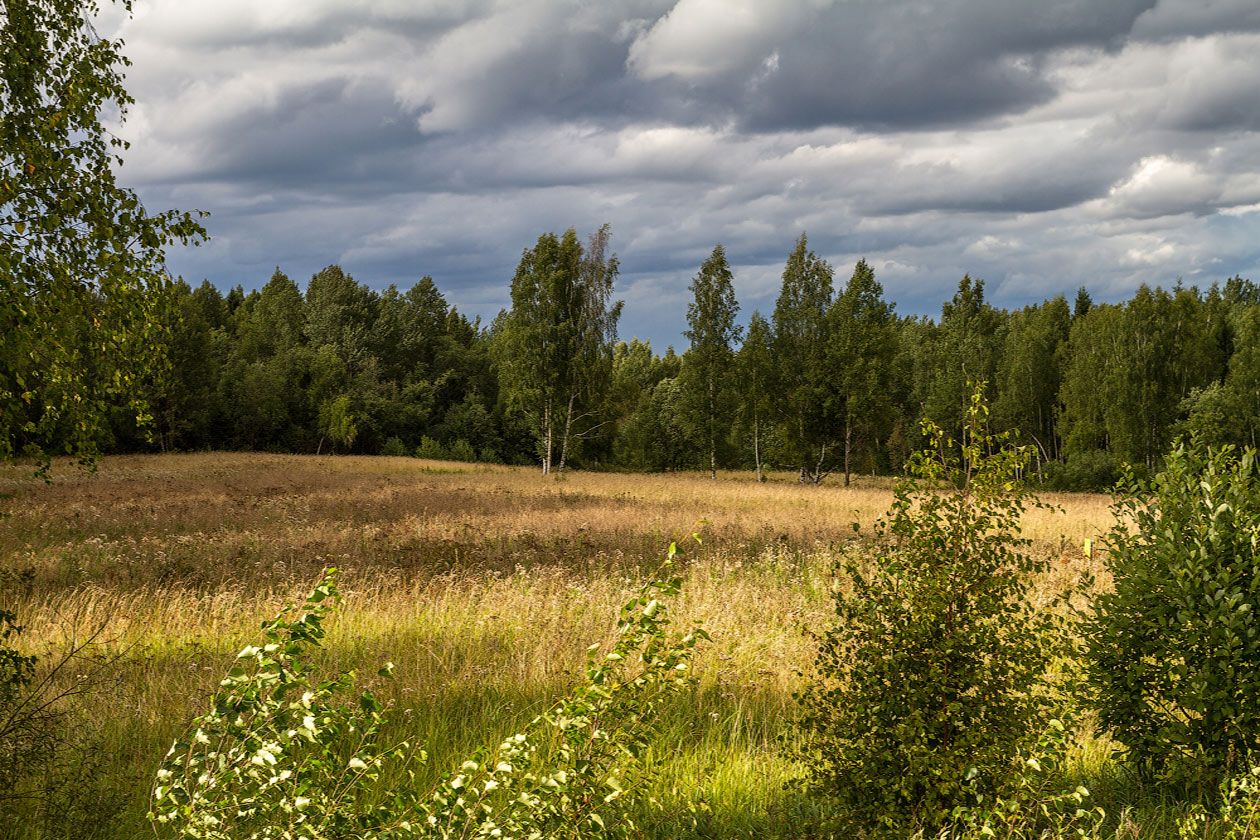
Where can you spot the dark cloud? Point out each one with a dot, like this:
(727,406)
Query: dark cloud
(887,63)
(333,135)
(1173,21)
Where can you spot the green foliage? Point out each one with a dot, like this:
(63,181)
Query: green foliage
(1028,387)
(340,314)
(462,450)
(553,349)
(1033,803)
(645,393)
(938,670)
(1212,416)
(1236,816)
(337,422)
(284,755)
(1129,368)
(394,447)
(968,349)
(1174,651)
(706,378)
(80,257)
(656,436)
(860,351)
(755,365)
(1088,469)
(277,755)
(431,450)
(801,385)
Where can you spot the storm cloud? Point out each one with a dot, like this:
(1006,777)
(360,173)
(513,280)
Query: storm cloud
(1041,145)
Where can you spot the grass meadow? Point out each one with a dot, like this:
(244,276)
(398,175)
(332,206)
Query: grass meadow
(483,584)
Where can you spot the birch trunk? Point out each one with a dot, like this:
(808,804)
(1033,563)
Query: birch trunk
(568,427)
(757,447)
(546,430)
(848,447)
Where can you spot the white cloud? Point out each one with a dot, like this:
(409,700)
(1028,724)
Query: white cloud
(1163,186)
(705,39)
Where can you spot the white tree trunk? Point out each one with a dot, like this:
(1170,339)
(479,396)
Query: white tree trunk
(547,426)
(564,439)
(757,447)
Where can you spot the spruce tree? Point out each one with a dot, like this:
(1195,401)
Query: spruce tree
(708,364)
(799,343)
(860,351)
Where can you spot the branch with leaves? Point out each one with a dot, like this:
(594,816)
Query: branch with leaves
(283,754)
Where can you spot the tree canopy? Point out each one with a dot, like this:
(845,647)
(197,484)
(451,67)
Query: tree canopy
(82,262)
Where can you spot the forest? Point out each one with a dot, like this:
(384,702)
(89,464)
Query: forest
(832,381)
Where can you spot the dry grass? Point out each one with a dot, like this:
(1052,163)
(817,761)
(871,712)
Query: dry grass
(483,584)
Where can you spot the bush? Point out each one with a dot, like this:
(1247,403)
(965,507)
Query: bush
(430,449)
(461,450)
(1088,470)
(1236,815)
(937,672)
(50,780)
(1034,804)
(281,754)
(1173,653)
(24,741)
(394,447)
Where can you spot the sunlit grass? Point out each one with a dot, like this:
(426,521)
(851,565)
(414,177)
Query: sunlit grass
(483,584)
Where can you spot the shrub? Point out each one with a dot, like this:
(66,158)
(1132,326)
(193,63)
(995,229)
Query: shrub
(1034,804)
(50,780)
(281,754)
(1088,470)
(461,450)
(937,672)
(430,449)
(1173,653)
(1237,815)
(394,447)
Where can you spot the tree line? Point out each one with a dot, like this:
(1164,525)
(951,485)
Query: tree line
(832,381)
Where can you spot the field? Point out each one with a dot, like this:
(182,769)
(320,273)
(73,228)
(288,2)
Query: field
(484,585)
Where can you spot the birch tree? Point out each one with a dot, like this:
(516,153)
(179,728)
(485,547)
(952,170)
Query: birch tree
(82,262)
(755,365)
(554,350)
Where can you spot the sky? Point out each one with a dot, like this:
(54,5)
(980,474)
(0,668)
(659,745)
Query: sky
(1040,145)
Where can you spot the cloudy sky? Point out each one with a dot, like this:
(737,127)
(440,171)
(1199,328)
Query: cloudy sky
(1038,144)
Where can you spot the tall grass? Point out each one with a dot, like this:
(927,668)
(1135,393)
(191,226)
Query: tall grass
(484,585)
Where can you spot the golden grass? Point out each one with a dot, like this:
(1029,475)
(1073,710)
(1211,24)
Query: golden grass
(484,585)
